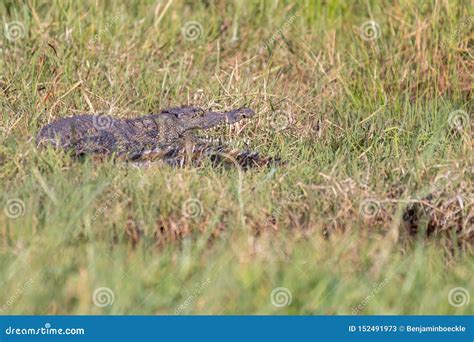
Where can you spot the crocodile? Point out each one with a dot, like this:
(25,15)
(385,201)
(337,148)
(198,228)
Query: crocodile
(167,136)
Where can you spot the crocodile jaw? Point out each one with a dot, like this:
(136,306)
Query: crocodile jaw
(213,119)
(234,116)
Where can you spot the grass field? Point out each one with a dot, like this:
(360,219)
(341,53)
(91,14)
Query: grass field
(368,103)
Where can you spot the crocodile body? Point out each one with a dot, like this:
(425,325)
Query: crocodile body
(167,136)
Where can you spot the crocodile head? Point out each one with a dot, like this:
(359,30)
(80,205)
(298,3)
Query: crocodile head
(177,123)
(212,119)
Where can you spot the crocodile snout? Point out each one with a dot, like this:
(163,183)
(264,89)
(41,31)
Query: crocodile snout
(239,114)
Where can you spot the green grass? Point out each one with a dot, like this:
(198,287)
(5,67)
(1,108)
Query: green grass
(367,129)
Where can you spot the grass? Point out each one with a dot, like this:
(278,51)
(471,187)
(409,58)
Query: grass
(371,214)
